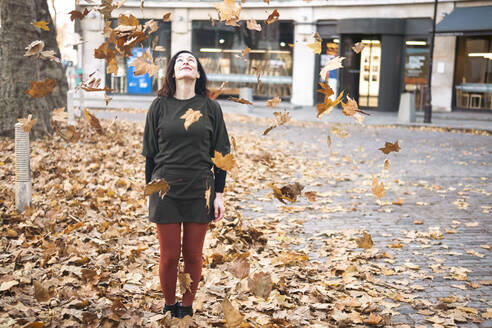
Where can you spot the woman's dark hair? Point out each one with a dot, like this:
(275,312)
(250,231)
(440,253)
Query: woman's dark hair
(169,86)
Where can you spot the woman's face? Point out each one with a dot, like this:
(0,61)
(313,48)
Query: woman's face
(186,67)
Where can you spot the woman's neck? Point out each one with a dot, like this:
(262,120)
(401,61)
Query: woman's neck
(185,89)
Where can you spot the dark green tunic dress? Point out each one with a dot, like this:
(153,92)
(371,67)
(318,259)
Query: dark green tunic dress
(183,157)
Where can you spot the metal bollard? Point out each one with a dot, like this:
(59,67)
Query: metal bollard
(23,188)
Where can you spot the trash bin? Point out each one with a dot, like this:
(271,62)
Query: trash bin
(406,111)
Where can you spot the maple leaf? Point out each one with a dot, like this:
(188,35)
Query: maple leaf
(365,241)
(350,108)
(239,268)
(106,8)
(191,116)
(156,185)
(245,51)
(145,64)
(167,17)
(390,147)
(252,25)
(261,284)
(41,88)
(328,103)
(76,14)
(273,17)
(34,48)
(377,188)
(274,101)
(27,123)
(94,122)
(228,10)
(316,46)
(42,25)
(240,100)
(357,48)
(331,65)
(232,316)
(225,163)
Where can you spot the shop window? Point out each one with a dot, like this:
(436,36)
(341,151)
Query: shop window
(219,50)
(417,70)
(473,73)
(124,81)
(370,67)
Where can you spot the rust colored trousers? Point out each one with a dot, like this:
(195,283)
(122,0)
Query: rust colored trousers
(170,252)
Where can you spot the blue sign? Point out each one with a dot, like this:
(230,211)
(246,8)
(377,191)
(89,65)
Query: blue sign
(140,84)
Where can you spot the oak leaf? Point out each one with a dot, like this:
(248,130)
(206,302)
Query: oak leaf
(191,116)
(27,123)
(390,147)
(225,163)
(41,88)
(42,25)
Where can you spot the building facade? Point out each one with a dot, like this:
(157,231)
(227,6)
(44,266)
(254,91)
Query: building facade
(395,59)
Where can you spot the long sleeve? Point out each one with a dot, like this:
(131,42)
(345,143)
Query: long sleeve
(220,178)
(149,168)
(220,143)
(150,137)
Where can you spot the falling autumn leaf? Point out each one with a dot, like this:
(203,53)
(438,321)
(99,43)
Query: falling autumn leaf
(390,147)
(288,192)
(274,101)
(316,46)
(273,17)
(339,132)
(377,188)
(156,185)
(191,116)
(245,51)
(49,54)
(228,10)
(185,282)
(69,134)
(112,67)
(329,141)
(328,103)
(387,164)
(34,48)
(280,119)
(350,108)
(365,241)
(240,100)
(107,99)
(357,48)
(94,122)
(331,65)
(76,14)
(167,17)
(225,163)
(27,123)
(42,25)
(216,92)
(145,64)
(151,25)
(41,88)
(232,316)
(252,25)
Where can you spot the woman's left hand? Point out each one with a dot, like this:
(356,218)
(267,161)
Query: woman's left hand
(219,207)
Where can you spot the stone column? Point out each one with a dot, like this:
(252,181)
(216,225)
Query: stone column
(443,73)
(303,61)
(180,31)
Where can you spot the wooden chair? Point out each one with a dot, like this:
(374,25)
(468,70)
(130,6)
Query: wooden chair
(463,99)
(475,101)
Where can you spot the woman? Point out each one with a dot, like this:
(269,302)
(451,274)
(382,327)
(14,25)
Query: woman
(182,156)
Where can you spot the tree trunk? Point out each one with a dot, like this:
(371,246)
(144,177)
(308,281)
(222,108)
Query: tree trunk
(17,71)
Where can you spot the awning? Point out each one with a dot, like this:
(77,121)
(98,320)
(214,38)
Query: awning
(466,21)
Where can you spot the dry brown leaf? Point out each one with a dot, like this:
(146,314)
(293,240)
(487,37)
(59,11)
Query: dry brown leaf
(207,197)
(225,163)
(273,17)
(167,17)
(156,185)
(34,48)
(387,164)
(76,14)
(41,293)
(145,64)
(252,25)
(261,284)
(315,47)
(228,10)
(357,48)
(350,108)
(245,51)
(377,188)
(191,116)
(328,103)
(334,63)
(232,316)
(280,118)
(390,147)
(185,282)
(49,54)
(218,91)
(41,88)
(94,122)
(310,195)
(69,134)
(42,25)
(288,192)
(151,25)
(239,268)
(274,101)
(27,123)
(112,67)
(365,241)
(399,202)
(240,100)
(329,141)
(373,319)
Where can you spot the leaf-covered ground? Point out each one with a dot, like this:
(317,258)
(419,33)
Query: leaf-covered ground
(84,254)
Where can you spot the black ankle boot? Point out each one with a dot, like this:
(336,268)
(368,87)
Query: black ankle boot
(183,311)
(172,308)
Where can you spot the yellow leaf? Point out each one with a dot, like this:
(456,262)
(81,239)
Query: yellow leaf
(225,163)
(156,185)
(328,103)
(27,123)
(191,116)
(42,25)
(377,188)
(365,241)
(316,47)
(274,101)
(41,88)
(245,51)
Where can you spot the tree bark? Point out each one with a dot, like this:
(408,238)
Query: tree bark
(17,71)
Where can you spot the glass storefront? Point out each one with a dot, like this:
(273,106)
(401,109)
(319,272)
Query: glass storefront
(416,73)
(124,81)
(473,73)
(219,49)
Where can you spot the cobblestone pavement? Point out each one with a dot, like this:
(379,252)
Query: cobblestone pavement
(442,179)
